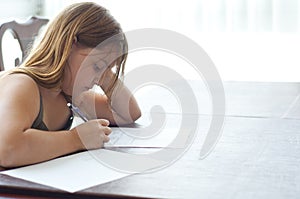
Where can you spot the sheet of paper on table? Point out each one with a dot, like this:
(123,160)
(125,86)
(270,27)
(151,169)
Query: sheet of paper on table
(80,171)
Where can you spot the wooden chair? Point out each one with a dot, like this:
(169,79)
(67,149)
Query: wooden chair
(25,33)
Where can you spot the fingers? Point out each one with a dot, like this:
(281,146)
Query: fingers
(103,122)
(107,130)
(105,138)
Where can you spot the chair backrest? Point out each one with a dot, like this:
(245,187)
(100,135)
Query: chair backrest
(25,33)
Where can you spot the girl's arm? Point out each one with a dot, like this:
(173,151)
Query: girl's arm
(20,144)
(121,109)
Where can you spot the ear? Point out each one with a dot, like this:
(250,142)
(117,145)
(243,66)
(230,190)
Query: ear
(75,43)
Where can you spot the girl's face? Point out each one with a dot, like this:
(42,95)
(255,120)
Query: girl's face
(85,67)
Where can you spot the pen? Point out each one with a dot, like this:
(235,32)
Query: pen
(77,111)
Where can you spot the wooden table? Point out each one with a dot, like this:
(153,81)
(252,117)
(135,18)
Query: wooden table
(257,156)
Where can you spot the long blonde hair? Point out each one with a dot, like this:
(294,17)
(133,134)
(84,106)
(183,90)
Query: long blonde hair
(90,24)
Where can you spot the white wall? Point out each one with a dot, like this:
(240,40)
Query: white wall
(250,40)
(20,9)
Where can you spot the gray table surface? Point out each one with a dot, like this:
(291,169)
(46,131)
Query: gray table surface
(257,155)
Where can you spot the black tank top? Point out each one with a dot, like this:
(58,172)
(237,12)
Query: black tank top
(40,125)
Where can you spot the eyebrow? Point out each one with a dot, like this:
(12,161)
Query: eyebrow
(106,53)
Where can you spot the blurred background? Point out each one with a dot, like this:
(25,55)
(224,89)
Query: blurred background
(248,40)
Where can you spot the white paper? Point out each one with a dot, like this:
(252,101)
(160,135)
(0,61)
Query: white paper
(83,170)
(71,173)
(121,136)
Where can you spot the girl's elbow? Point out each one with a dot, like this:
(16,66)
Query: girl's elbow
(137,115)
(6,156)
(10,152)
(126,121)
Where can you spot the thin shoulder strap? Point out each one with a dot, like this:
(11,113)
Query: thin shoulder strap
(67,97)
(38,122)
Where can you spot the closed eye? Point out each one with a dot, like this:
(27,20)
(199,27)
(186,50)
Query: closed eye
(100,65)
(96,68)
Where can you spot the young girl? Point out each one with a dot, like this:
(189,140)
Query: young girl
(61,69)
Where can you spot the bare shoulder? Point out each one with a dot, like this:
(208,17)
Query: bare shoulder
(19,89)
(21,83)
(19,101)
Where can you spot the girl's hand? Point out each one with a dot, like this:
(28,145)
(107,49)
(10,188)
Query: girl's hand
(92,134)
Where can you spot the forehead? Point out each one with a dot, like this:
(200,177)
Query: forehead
(109,51)
(102,51)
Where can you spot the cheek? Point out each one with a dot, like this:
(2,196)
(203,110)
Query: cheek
(72,68)
(86,77)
